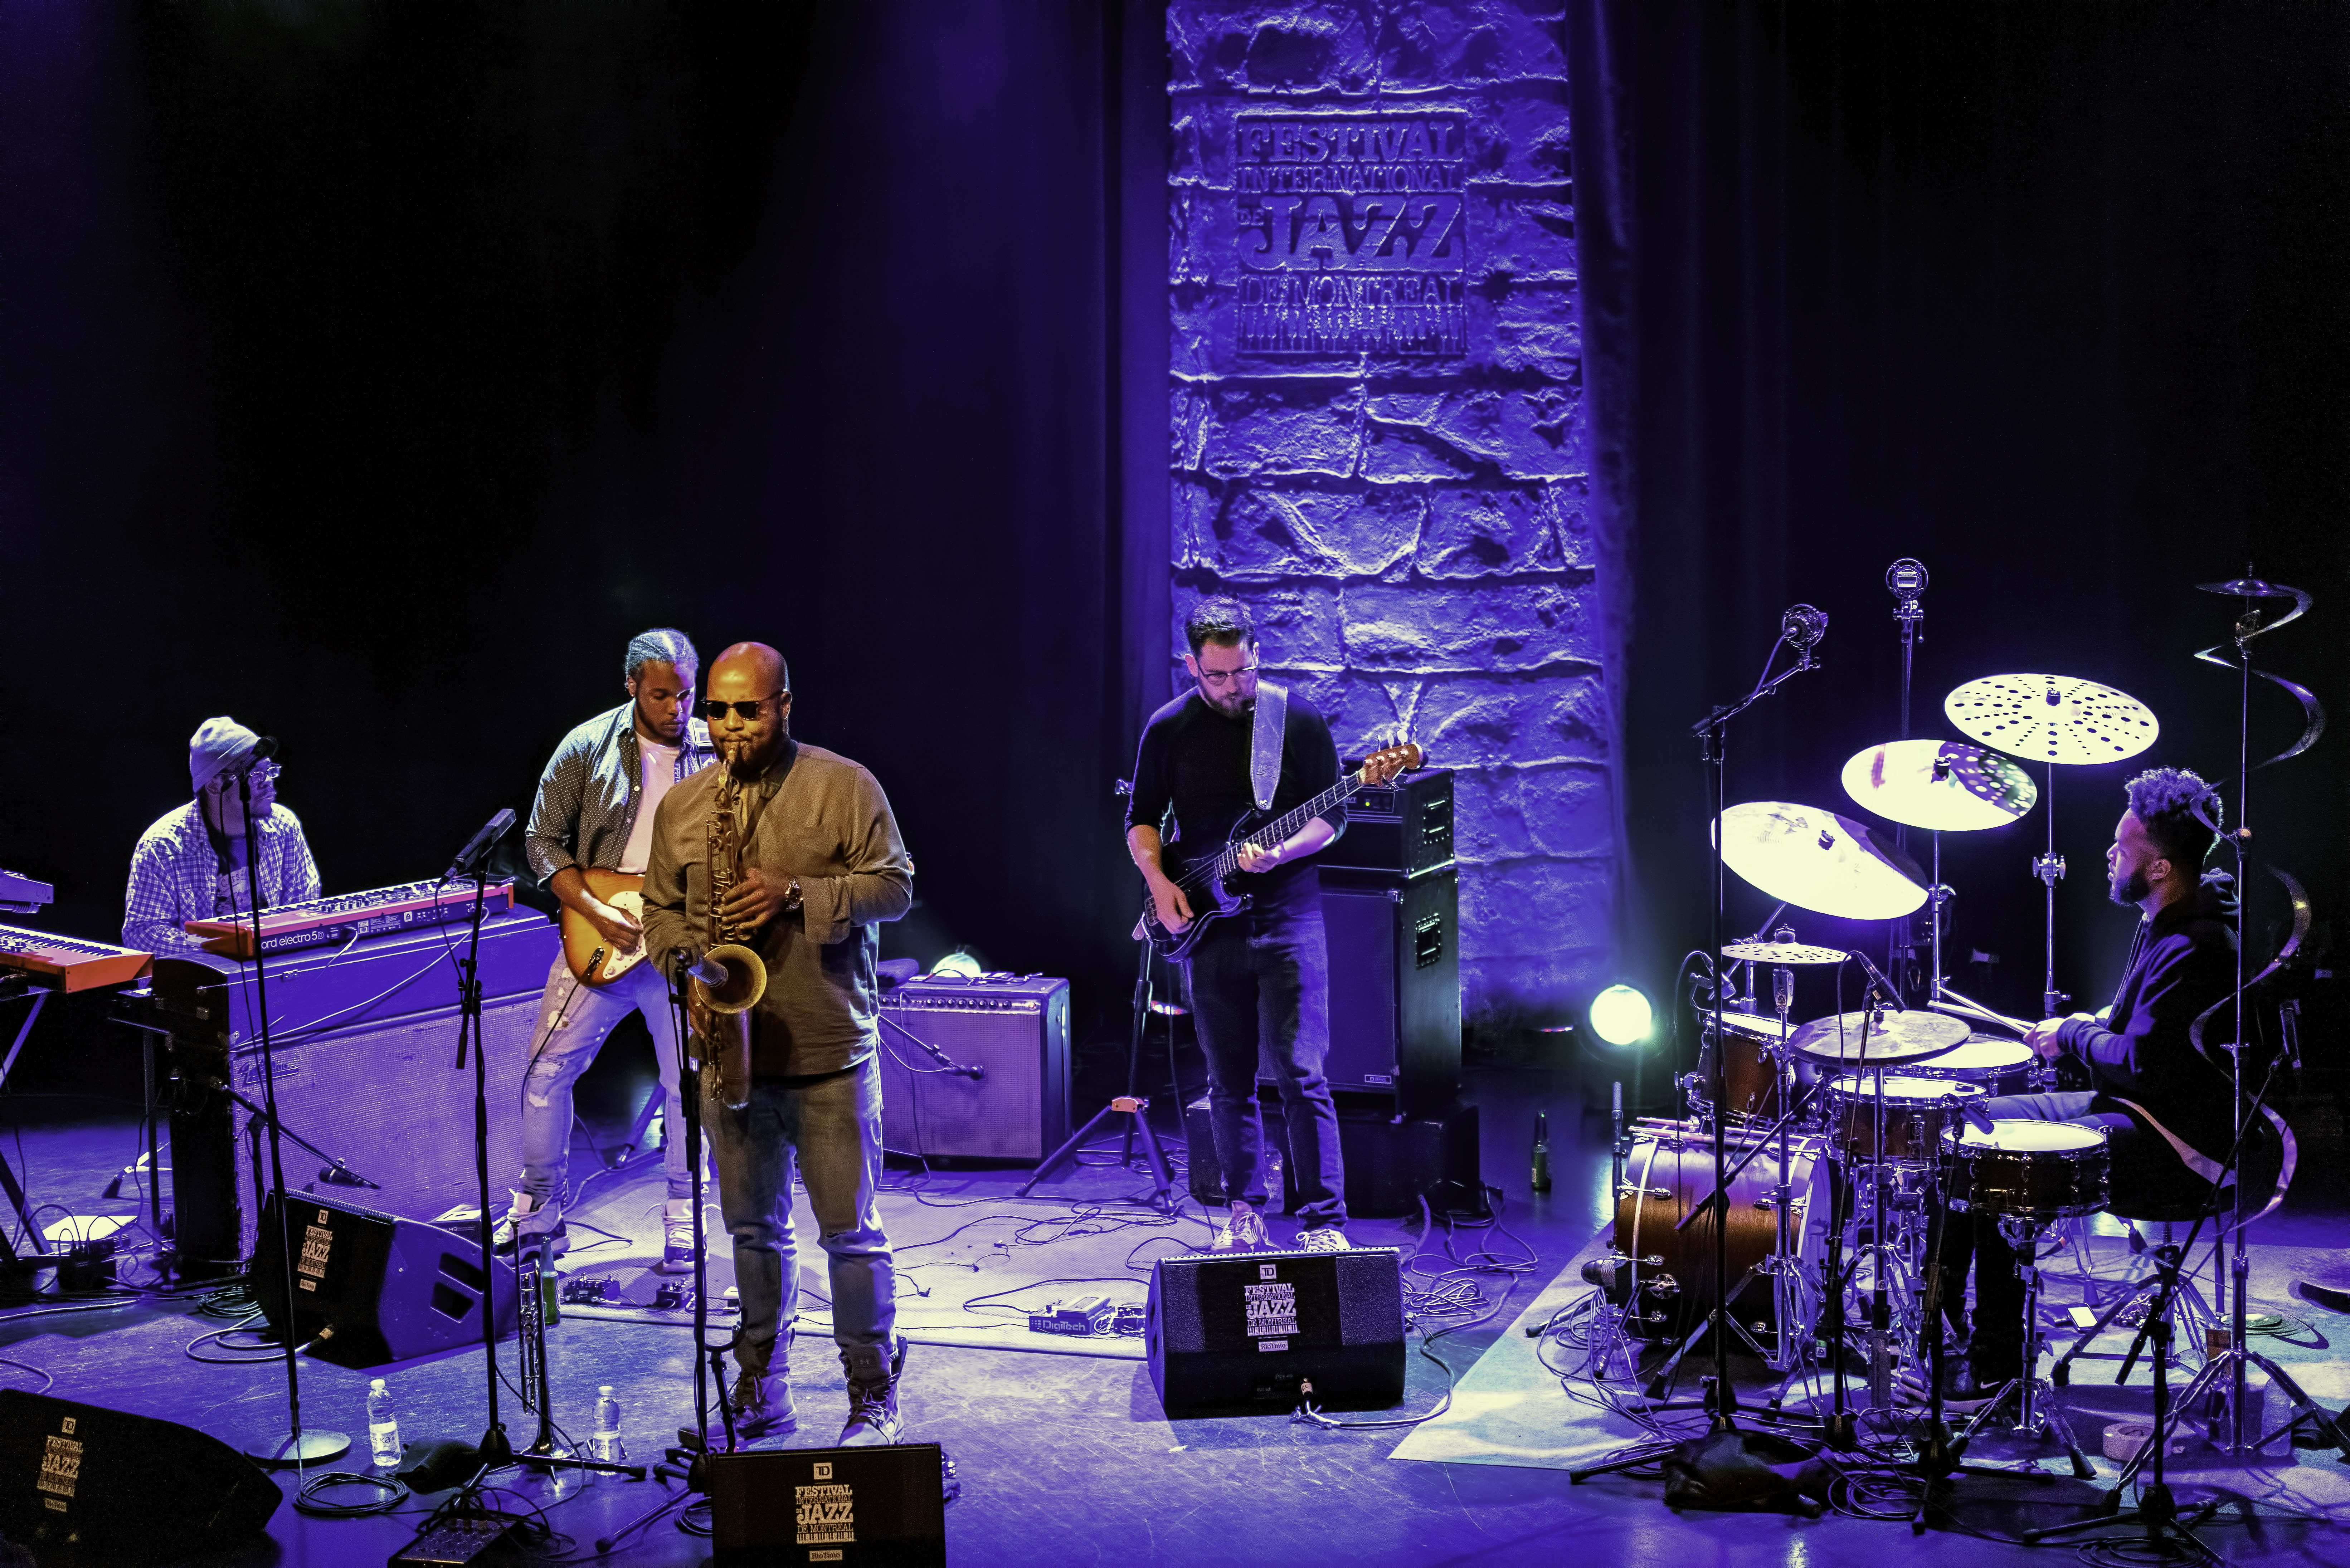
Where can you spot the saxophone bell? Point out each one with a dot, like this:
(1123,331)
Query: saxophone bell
(730,978)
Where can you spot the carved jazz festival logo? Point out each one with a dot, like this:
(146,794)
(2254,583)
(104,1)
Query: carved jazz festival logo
(1352,234)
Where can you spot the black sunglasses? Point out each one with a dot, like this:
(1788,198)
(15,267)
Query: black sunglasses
(713,710)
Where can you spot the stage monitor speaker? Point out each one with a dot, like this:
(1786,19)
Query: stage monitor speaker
(370,1288)
(1263,1331)
(1395,985)
(850,1506)
(1014,1028)
(93,1487)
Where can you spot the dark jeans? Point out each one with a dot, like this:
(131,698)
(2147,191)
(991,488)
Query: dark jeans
(1260,985)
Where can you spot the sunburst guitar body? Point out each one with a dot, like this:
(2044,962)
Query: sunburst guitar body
(590,956)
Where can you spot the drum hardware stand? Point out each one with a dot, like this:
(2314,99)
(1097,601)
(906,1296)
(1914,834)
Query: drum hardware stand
(2049,867)
(2028,1388)
(1802,626)
(2189,1301)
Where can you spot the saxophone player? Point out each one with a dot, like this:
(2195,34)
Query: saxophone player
(817,864)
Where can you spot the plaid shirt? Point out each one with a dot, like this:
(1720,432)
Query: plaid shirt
(586,802)
(175,877)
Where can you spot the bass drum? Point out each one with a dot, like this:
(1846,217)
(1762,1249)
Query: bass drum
(1663,1277)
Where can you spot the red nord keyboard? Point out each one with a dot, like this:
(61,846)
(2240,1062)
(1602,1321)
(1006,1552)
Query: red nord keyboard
(327,922)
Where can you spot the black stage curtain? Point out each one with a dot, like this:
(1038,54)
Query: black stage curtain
(373,372)
(2048,297)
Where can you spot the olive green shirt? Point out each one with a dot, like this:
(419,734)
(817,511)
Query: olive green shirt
(823,819)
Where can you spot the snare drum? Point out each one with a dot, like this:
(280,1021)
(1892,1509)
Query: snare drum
(2002,1066)
(1750,1066)
(2040,1171)
(1917,1112)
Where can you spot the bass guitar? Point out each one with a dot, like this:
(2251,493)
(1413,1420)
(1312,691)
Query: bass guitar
(586,952)
(1207,882)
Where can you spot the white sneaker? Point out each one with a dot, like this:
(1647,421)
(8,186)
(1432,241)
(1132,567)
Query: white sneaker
(677,1237)
(1323,1239)
(1243,1228)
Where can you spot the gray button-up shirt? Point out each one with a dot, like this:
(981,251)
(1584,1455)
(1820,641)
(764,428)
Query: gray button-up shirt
(586,802)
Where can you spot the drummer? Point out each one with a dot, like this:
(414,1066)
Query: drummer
(2169,1125)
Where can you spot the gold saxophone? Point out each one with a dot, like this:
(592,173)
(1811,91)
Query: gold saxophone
(723,1011)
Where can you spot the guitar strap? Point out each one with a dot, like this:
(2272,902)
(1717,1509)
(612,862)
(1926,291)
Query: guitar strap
(1272,723)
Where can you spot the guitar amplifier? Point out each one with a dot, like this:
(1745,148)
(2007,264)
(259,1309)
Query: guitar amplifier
(1013,1028)
(1403,828)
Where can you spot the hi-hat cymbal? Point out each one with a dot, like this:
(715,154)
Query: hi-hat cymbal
(1818,860)
(1946,785)
(1781,953)
(1856,1039)
(2052,717)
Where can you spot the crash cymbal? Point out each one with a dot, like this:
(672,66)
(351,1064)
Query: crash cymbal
(1855,1039)
(1818,860)
(2052,717)
(1781,953)
(1946,785)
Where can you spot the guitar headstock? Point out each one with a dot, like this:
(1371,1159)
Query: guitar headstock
(1385,764)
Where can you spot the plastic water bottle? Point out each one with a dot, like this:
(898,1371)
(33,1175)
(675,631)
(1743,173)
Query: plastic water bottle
(383,1426)
(604,1444)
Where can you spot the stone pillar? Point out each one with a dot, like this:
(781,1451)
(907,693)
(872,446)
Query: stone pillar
(1377,434)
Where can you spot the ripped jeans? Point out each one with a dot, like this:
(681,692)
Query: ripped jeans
(574,1022)
(829,1129)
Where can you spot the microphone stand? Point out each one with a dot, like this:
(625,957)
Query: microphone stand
(297,1448)
(1711,733)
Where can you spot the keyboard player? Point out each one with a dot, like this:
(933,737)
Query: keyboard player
(191,863)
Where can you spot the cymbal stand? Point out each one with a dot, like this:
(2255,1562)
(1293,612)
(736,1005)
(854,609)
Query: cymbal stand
(2049,867)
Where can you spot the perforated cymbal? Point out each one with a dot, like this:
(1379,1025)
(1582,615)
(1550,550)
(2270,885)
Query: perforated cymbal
(1818,860)
(1946,785)
(2052,717)
(1781,953)
(1864,1038)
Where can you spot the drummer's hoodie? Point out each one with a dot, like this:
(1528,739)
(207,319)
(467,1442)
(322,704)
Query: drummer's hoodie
(2182,961)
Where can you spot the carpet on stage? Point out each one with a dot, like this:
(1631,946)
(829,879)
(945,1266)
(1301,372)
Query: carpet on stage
(1515,1408)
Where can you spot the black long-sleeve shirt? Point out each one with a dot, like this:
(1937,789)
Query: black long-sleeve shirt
(1196,760)
(2182,961)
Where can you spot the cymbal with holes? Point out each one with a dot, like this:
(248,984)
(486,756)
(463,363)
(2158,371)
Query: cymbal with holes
(2052,717)
(1818,860)
(1946,785)
(1781,953)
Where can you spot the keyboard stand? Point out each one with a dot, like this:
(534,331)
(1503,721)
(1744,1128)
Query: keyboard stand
(11,1261)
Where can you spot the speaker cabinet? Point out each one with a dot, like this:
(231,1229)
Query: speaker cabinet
(370,1288)
(850,1506)
(87,1486)
(1395,985)
(1014,1028)
(1392,1161)
(1262,1330)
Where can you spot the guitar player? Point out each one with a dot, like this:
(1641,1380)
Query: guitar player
(1260,979)
(594,815)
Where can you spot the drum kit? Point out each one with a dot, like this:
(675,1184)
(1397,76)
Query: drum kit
(1882,1103)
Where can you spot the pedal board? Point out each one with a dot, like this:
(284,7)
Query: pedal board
(452,1543)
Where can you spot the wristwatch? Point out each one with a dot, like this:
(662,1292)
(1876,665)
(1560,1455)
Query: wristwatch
(792,897)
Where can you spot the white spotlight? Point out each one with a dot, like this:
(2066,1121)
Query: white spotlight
(1621,1015)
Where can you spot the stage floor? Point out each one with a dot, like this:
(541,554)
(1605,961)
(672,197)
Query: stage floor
(1068,1457)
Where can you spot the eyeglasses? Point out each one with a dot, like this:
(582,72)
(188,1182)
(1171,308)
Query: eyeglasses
(261,773)
(715,710)
(1226,677)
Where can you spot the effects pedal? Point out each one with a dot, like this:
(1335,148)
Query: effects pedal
(452,1543)
(1085,1315)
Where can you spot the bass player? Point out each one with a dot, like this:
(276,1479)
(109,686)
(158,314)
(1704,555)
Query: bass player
(593,812)
(1259,979)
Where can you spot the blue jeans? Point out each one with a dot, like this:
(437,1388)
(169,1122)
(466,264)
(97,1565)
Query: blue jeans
(830,1129)
(574,1022)
(1260,985)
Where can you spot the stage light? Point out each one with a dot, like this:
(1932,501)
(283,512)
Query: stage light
(1621,1015)
(959,963)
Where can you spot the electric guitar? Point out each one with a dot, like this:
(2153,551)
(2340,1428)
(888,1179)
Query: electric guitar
(585,952)
(1207,881)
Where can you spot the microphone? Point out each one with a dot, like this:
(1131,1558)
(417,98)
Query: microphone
(1904,579)
(266,746)
(339,1175)
(706,970)
(1803,626)
(1974,1113)
(469,859)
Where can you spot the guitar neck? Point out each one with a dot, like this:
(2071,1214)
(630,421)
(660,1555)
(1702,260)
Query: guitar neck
(1228,860)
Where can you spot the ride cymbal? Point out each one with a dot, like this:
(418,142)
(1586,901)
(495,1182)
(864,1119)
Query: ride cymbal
(1946,785)
(2052,717)
(1818,860)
